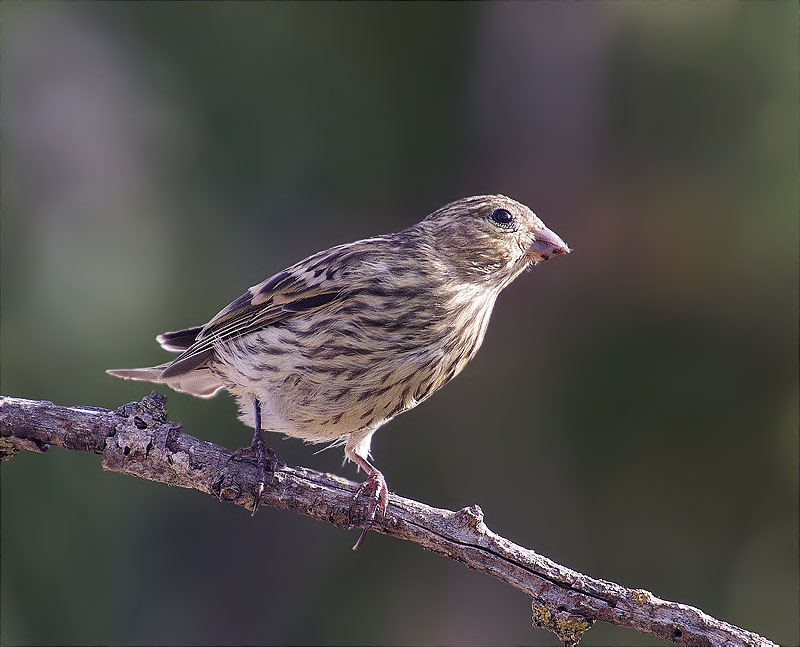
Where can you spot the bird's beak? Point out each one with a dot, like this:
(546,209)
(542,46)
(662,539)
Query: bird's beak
(545,244)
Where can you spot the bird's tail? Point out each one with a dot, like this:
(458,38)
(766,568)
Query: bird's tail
(150,374)
(197,380)
(179,340)
(200,382)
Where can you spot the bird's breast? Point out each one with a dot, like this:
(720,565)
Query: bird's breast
(352,368)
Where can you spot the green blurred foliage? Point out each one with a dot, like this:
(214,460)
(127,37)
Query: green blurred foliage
(633,412)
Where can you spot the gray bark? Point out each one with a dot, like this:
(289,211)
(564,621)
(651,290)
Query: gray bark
(137,439)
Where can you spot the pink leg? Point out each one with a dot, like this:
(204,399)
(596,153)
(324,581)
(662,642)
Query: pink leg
(375,486)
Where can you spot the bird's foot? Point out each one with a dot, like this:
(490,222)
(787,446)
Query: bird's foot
(375,487)
(268,464)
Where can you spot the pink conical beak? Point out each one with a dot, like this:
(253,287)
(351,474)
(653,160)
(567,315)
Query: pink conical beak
(545,244)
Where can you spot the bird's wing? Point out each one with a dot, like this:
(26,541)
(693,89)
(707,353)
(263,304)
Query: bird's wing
(317,282)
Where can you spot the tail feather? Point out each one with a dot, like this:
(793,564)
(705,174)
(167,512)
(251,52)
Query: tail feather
(200,382)
(190,377)
(150,374)
(179,340)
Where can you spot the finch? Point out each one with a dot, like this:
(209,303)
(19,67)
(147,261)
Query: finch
(335,346)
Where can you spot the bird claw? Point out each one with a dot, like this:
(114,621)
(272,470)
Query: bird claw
(376,488)
(268,464)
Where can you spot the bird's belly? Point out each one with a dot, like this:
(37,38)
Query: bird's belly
(320,383)
(323,393)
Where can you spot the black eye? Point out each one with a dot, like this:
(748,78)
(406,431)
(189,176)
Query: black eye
(502,217)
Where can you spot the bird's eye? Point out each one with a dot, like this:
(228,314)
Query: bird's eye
(502,217)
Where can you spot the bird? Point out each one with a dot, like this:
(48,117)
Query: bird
(335,346)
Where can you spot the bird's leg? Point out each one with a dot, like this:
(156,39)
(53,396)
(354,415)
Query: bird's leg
(264,455)
(375,487)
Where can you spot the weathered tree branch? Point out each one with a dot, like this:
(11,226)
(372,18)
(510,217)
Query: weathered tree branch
(137,439)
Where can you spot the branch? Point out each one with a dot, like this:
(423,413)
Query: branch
(137,439)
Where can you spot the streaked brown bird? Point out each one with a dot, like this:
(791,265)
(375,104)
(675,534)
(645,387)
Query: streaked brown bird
(335,346)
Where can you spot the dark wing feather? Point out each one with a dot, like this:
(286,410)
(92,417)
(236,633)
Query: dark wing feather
(298,290)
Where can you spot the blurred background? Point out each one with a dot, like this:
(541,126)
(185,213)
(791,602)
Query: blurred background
(633,412)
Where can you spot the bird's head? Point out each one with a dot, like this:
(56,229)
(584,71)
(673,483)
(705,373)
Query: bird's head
(490,239)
